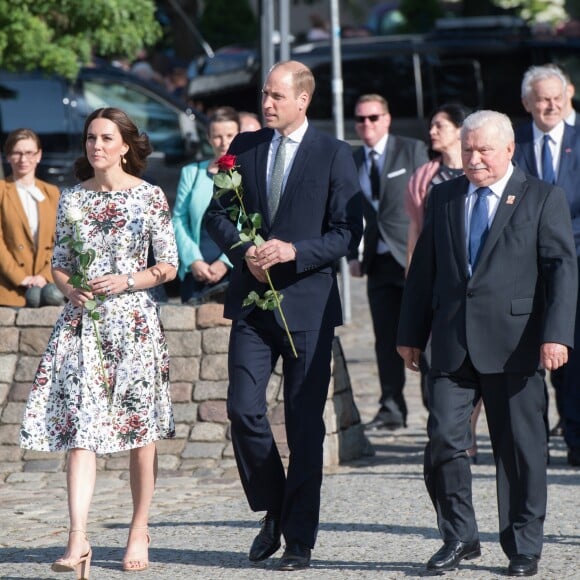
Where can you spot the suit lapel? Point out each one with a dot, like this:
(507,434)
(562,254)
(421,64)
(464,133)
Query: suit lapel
(18,209)
(565,168)
(527,147)
(45,226)
(507,204)
(457,223)
(261,170)
(296,171)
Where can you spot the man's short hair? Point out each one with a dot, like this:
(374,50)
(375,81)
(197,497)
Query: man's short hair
(373,98)
(484,118)
(540,73)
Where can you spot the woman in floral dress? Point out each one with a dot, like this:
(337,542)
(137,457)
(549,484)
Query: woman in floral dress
(103,382)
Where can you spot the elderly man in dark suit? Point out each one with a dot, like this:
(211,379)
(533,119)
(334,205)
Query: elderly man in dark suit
(385,164)
(494,279)
(549,148)
(304,184)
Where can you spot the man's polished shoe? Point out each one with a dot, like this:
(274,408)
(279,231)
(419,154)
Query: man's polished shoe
(267,541)
(295,557)
(451,553)
(522,565)
(384,420)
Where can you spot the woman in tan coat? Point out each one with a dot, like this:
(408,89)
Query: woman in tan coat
(27,227)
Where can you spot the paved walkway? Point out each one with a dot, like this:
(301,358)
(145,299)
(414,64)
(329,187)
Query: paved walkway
(376,519)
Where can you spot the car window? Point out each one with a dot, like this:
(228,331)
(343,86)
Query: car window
(40,103)
(157,119)
(390,75)
(451,81)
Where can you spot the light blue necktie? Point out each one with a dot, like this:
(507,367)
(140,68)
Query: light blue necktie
(277,178)
(547,161)
(478,228)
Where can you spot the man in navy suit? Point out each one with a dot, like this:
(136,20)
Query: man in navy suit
(317,220)
(493,279)
(549,148)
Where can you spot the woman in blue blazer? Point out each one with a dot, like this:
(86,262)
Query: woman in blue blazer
(203,268)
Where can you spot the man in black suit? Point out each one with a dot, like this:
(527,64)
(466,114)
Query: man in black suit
(385,164)
(494,280)
(304,184)
(549,148)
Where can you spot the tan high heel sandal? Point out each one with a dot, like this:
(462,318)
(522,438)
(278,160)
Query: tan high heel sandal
(82,566)
(137,565)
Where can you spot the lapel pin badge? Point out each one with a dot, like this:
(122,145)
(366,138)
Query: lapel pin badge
(510,199)
(567,150)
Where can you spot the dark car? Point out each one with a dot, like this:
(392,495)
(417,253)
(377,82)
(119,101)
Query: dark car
(56,110)
(479,62)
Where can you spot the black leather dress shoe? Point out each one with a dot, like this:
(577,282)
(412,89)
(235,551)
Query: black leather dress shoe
(295,557)
(384,420)
(522,565)
(267,541)
(451,553)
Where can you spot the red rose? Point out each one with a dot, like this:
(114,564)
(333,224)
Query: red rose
(226,162)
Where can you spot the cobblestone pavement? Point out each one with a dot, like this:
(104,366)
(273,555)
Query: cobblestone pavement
(376,520)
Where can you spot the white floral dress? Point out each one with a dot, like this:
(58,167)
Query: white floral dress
(70,404)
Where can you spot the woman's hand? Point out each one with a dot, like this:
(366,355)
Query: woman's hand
(201,272)
(109,284)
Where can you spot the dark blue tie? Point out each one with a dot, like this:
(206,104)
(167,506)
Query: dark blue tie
(547,161)
(478,226)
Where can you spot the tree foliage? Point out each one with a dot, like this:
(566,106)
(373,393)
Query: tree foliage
(58,36)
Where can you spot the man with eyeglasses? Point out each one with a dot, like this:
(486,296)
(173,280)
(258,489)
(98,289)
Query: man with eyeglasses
(385,164)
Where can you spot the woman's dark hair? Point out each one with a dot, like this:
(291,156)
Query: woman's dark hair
(456,113)
(139,146)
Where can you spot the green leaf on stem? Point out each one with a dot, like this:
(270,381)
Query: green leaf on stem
(246,236)
(256,220)
(236,180)
(76,280)
(223,181)
(90,305)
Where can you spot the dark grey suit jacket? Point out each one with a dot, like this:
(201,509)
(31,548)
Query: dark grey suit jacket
(402,157)
(521,295)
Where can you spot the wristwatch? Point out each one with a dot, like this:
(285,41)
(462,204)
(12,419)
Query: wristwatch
(130,282)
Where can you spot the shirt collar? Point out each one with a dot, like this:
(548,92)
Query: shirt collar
(498,187)
(379,147)
(296,136)
(556,134)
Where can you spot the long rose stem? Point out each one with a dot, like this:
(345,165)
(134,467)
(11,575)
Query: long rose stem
(279,307)
(246,219)
(102,359)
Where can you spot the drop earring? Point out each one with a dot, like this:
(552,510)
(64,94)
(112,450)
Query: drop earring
(123,160)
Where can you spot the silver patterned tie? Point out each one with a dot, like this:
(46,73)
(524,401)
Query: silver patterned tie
(277,178)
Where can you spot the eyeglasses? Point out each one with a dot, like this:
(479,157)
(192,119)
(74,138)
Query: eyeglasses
(372,118)
(25,154)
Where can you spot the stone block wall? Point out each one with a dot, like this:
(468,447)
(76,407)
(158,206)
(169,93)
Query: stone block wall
(198,343)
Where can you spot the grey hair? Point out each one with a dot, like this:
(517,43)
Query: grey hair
(485,118)
(541,73)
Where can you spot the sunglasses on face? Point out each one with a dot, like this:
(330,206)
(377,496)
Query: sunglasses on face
(372,118)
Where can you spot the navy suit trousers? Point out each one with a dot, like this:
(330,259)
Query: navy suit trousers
(256,343)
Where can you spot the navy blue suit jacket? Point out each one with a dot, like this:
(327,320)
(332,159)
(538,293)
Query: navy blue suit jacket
(320,213)
(568,174)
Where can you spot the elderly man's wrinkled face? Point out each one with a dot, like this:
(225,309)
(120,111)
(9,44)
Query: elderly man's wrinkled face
(486,155)
(546,103)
